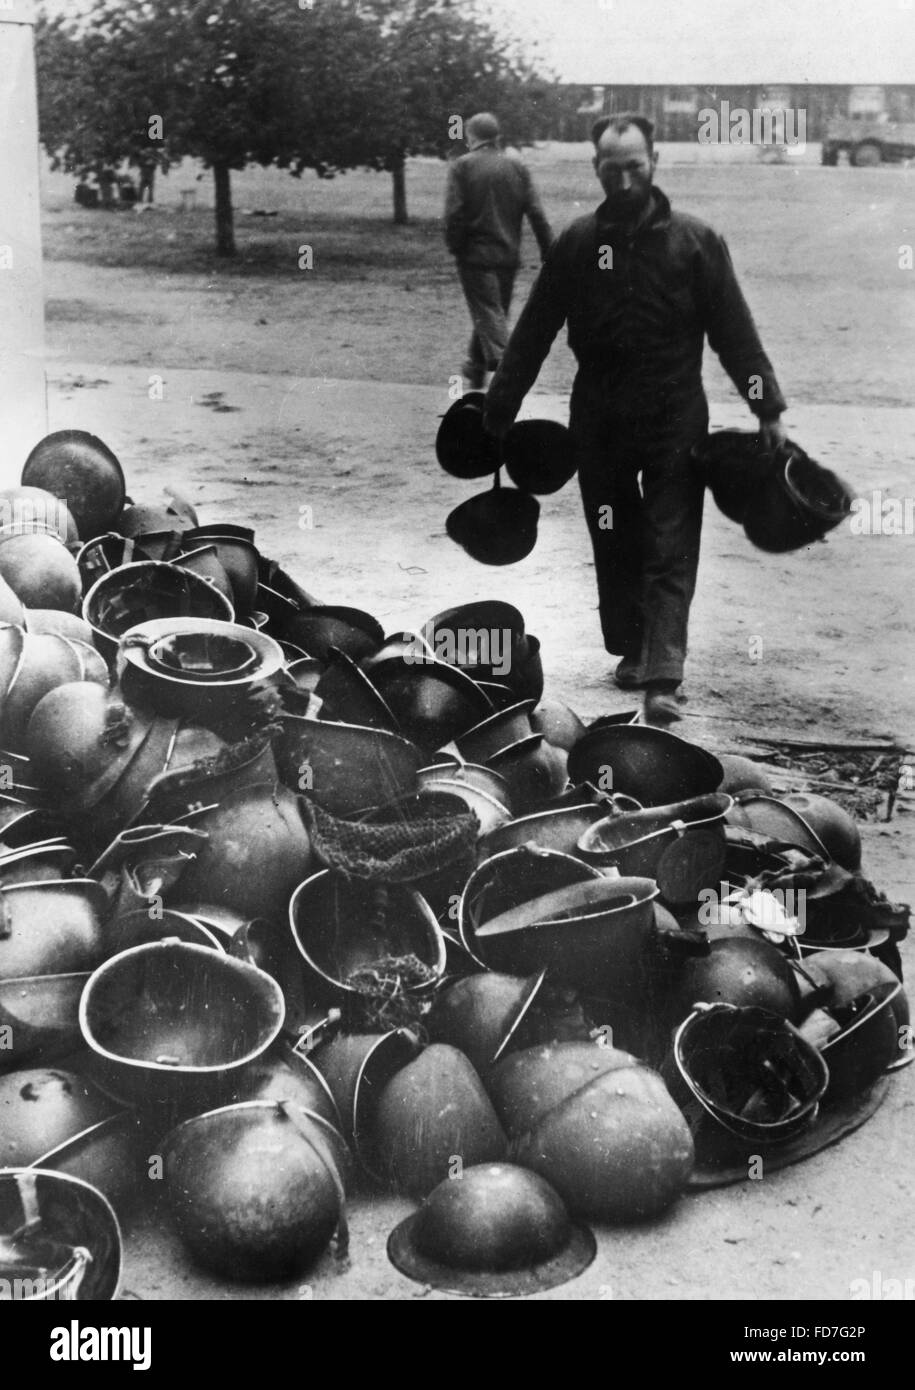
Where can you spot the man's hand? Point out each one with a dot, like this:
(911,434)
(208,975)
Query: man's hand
(772,433)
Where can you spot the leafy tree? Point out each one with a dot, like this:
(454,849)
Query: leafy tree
(441,60)
(229,82)
(328,85)
(91,97)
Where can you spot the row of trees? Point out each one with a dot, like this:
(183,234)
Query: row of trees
(326,85)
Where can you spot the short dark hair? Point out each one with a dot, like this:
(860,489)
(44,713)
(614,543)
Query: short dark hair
(621,121)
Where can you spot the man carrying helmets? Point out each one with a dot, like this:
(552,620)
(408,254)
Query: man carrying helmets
(489,193)
(641,287)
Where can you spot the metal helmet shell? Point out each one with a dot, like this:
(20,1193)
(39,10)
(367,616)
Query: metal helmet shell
(502,1230)
(77,1238)
(40,571)
(653,765)
(614,1146)
(482,1015)
(433,1108)
(257,851)
(865,1041)
(177,1022)
(256,1189)
(744,1073)
(736,971)
(78,466)
(832,824)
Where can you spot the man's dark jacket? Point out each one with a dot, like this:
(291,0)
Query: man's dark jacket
(638,309)
(487,197)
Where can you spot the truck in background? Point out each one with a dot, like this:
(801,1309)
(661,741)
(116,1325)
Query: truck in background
(868,142)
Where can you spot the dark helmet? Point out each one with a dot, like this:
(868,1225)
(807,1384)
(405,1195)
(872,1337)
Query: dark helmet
(462,446)
(501,1230)
(652,765)
(538,456)
(482,1014)
(731,462)
(256,1188)
(62,1229)
(498,527)
(745,1071)
(430,1110)
(795,502)
(832,824)
(740,972)
(843,975)
(79,467)
(858,1039)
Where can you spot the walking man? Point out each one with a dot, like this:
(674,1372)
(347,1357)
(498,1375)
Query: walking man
(488,196)
(641,287)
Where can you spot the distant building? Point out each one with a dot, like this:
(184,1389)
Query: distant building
(675,109)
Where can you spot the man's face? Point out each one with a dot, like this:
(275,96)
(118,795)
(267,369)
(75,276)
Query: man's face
(625,169)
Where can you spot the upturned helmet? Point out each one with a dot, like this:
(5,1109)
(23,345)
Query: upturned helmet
(746,1072)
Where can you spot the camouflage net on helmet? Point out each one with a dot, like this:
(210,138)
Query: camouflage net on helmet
(403,843)
(404,847)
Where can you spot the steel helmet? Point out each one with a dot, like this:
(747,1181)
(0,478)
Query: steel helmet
(732,462)
(743,1073)
(652,765)
(498,527)
(832,824)
(501,1231)
(257,1188)
(482,1015)
(176,1022)
(858,1040)
(462,446)
(844,975)
(604,1132)
(78,466)
(795,502)
(736,971)
(41,571)
(433,1108)
(539,456)
(56,1223)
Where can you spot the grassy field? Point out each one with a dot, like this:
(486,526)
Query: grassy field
(817,250)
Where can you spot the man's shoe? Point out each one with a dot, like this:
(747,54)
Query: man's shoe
(660,708)
(627,675)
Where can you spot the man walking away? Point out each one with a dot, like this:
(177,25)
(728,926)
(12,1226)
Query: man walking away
(488,196)
(641,287)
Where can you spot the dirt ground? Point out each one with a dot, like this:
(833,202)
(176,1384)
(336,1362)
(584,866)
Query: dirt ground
(305,404)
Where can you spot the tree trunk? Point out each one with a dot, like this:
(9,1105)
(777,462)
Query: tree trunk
(399,175)
(225,226)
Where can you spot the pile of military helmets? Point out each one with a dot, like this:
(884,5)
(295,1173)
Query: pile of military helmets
(309,910)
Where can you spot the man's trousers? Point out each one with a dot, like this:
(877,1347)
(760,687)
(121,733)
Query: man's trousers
(645,538)
(488,293)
